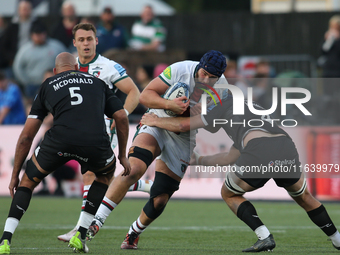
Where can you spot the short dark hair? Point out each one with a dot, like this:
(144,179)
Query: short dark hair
(38,28)
(84,26)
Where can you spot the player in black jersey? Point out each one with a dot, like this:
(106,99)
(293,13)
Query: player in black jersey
(253,148)
(77,102)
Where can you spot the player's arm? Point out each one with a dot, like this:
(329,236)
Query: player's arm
(114,109)
(222,159)
(22,149)
(128,87)
(151,97)
(174,124)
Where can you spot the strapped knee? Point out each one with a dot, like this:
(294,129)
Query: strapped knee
(33,172)
(143,154)
(232,186)
(163,184)
(300,191)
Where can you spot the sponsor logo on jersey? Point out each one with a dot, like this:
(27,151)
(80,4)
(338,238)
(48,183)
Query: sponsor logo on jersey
(167,72)
(183,168)
(121,70)
(71,155)
(97,68)
(96,73)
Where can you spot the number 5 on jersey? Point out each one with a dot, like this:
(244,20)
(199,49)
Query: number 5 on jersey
(77,95)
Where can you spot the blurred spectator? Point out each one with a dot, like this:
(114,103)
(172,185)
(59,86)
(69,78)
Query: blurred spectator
(88,19)
(34,58)
(330,57)
(12,109)
(230,72)
(262,68)
(144,74)
(18,32)
(63,30)
(148,32)
(111,35)
(233,77)
(3,25)
(331,49)
(159,68)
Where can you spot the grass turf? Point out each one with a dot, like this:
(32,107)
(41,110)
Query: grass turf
(185,227)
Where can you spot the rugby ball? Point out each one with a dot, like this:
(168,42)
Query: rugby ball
(179,89)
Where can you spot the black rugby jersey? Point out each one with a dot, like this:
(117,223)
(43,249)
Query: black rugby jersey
(238,126)
(77,102)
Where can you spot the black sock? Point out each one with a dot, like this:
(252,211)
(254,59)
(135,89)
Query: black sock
(82,231)
(95,197)
(20,203)
(321,218)
(247,213)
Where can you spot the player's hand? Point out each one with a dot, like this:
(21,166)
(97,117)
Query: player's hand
(126,164)
(149,119)
(194,158)
(196,110)
(113,125)
(13,185)
(178,105)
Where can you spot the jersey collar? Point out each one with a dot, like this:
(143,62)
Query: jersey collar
(93,60)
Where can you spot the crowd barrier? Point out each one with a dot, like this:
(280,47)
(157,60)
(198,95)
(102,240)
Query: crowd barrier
(316,145)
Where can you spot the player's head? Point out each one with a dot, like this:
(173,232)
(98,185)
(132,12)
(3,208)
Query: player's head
(85,40)
(211,67)
(214,63)
(65,62)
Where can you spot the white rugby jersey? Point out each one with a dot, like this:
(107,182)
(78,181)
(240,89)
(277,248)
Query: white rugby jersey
(185,72)
(105,69)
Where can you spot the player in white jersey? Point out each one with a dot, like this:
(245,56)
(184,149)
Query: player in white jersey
(172,150)
(115,77)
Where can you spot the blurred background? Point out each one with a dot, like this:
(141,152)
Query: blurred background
(267,43)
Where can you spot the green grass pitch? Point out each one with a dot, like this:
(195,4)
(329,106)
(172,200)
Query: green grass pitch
(185,227)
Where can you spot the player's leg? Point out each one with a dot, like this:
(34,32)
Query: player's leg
(21,200)
(315,210)
(88,179)
(165,184)
(141,154)
(232,193)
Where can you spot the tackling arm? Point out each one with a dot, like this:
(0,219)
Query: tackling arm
(174,124)
(22,149)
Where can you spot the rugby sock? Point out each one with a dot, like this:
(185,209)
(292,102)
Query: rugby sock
(137,227)
(93,200)
(85,192)
(141,185)
(104,211)
(321,218)
(247,213)
(335,238)
(20,203)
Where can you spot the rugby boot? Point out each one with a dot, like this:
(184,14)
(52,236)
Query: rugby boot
(67,237)
(130,241)
(92,231)
(5,247)
(267,244)
(78,244)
